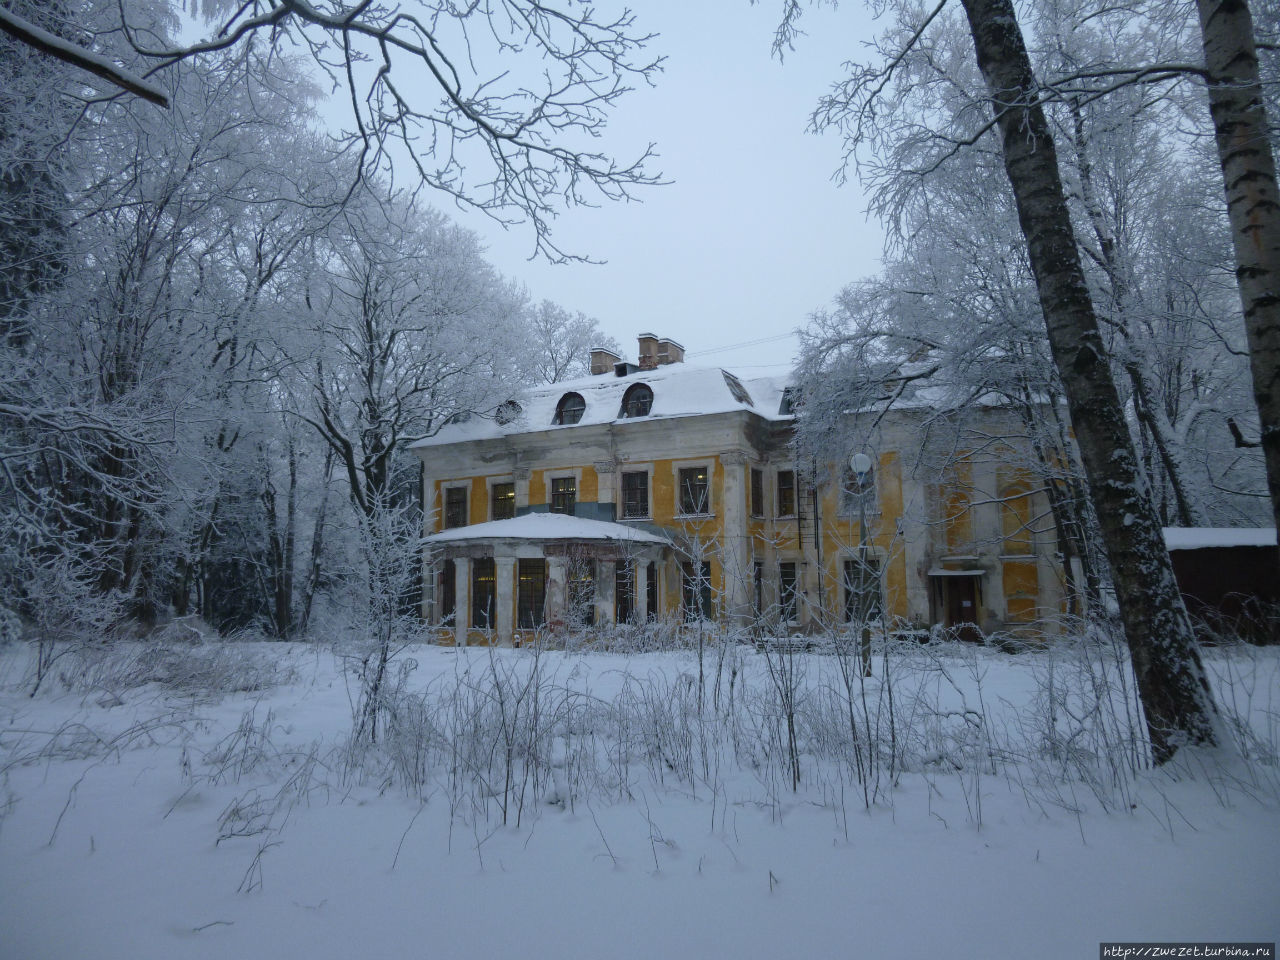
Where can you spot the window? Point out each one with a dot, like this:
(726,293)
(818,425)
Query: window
(484,583)
(855,496)
(651,592)
(504,500)
(635,496)
(862,601)
(569,409)
(757,583)
(694,495)
(455,507)
(757,492)
(695,591)
(448,591)
(736,388)
(564,494)
(637,401)
(787,593)
(531,592)
(508,412)
(786,493)
(582,591)
(624,591)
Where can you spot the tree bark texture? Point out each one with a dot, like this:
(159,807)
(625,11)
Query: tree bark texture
(1166,661)
(1253,204)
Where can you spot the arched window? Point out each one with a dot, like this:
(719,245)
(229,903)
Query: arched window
(570,408)
(508,412)
(637,401)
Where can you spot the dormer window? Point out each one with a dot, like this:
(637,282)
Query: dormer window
(637,401)
(569,409)
(736,388)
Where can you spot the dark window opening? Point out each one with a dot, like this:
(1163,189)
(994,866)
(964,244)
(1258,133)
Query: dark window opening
(531,592)
(855,496)
(624,591)
(564,494)
(695,591)
(786,493)
(651,592)
(757,583)
(635,496)
(694,494)
(788,594)
(862,601)
(637,401)
(448,591)
(484,583)
(757,492)
(569,409)
(504,501)
(455,507)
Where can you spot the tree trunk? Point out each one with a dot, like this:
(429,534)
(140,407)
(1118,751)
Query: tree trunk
(1253,204)
(1171,679)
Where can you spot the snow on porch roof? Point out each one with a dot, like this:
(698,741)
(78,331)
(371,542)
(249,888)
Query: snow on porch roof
(546,526)
(1193,538)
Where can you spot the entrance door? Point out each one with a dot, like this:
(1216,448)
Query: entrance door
(962,606)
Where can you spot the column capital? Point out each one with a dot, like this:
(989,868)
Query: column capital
(733,458)
(605,466)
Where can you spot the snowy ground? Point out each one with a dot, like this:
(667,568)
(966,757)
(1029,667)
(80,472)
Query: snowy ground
(164,821)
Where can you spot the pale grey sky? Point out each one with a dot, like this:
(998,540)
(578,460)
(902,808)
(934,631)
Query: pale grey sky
(753,234)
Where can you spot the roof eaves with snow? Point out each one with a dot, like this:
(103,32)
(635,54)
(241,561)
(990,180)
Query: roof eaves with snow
(547,526)
(679,390)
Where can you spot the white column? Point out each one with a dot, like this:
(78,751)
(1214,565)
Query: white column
(461,600)
(504,599)
(557,592)
(606,570)
(641,569)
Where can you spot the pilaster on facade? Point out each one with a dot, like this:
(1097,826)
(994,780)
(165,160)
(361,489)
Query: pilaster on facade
(606,479)
(640,572)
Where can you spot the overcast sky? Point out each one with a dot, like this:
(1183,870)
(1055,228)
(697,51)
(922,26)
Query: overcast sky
(753,234)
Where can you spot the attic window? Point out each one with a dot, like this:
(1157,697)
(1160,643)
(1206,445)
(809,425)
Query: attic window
(637,401)
(789,401)
(508,412)
(736,388)
(569,409)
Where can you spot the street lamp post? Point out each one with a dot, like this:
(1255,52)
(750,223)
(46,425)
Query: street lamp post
(861,465)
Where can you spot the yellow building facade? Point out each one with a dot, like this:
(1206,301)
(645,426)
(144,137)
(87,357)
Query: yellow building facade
(659,490)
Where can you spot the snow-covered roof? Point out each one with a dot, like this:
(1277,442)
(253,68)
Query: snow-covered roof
(1193,538)
(546,526)
(679,390)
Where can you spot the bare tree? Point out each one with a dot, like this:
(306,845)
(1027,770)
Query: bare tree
(1171,678)
(490,103)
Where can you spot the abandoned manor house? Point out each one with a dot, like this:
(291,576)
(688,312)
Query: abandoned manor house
(662,490)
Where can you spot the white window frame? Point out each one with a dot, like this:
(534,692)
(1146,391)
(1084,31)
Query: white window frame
(622,470)
(489,483)
(576,473)
(710,467)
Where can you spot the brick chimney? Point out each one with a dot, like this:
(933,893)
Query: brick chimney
(658,351)
(602,361)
